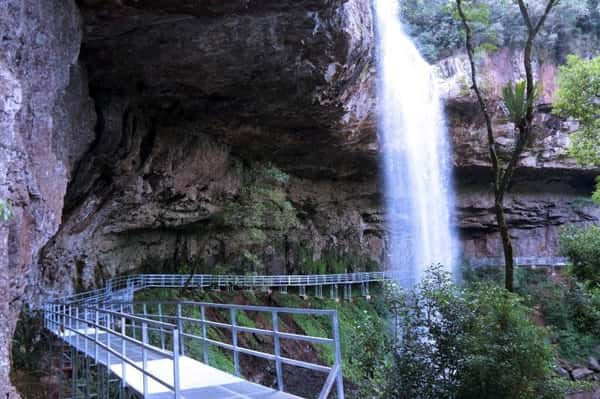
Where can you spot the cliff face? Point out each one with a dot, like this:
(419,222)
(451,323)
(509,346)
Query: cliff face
(228,135)
(549,189)
(46,120)
(222,132)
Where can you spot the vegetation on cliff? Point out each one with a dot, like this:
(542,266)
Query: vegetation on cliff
(573,28)
(579,97)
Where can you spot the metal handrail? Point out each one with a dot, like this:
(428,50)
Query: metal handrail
(206,280)
(67,315)
(108,302)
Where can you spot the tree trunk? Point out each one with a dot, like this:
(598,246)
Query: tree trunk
(506,242)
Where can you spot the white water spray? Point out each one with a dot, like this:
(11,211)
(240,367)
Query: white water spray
(416,152)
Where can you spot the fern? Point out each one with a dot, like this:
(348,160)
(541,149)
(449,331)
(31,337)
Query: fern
(516,101)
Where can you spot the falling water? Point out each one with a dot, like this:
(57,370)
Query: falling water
(416,153)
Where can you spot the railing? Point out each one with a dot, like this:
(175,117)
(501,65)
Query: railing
(195,329)
(88,323)
(141,281)
(166,328)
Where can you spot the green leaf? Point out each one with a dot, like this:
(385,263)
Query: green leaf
(516,101)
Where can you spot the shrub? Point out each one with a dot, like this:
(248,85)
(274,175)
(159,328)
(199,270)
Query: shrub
(467,343)
(582,246)
(30,342)
(370,354)
(507,355)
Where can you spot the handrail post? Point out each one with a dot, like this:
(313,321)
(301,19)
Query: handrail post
(133,325)
(162,331)
(205,342)
(277,350)
(234,340)
(176,386)
(338,354)
(123,351)
(180,328)
(144,357)
(85,339)
(97,319)
(108,334)
(76,328)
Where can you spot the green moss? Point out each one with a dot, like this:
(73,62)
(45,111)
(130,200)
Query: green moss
(262,203)
(219,359)
(332,262)
(243,320)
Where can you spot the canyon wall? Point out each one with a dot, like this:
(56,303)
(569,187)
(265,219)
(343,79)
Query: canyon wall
(46,123)
(549,189)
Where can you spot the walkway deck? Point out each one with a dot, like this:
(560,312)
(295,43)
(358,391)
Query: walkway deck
(198,381)
(107,325)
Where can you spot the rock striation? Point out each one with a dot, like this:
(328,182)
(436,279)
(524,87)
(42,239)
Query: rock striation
(549,189)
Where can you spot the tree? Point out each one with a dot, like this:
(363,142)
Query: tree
(520,100)
(578,97)
(573,26)
(466,342)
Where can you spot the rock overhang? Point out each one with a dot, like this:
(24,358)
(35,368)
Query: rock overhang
(287,78)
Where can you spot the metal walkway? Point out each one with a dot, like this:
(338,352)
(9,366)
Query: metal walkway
(162,349)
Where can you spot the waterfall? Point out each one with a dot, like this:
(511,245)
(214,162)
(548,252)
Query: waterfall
(415,153)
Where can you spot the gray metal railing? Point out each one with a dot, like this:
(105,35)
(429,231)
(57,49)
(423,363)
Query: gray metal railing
(166,327)
(74,323)
(127,284)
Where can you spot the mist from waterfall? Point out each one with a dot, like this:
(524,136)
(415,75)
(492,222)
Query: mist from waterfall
(416,153)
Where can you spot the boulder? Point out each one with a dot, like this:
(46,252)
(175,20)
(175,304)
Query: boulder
(581,373)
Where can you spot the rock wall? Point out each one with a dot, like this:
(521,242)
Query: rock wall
(46,120)
(549,189)
(230,136)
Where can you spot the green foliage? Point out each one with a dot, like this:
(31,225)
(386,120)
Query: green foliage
(573,25)
(332,262)
(467,342)
(29,343)
(579,97)
(596,194)
(579,89)
(6,212)
(516,101)
(582,246)
(508,356)
(252,263)
(220,360)
(262,203)
(370,354)
(431,24)
(569,308)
